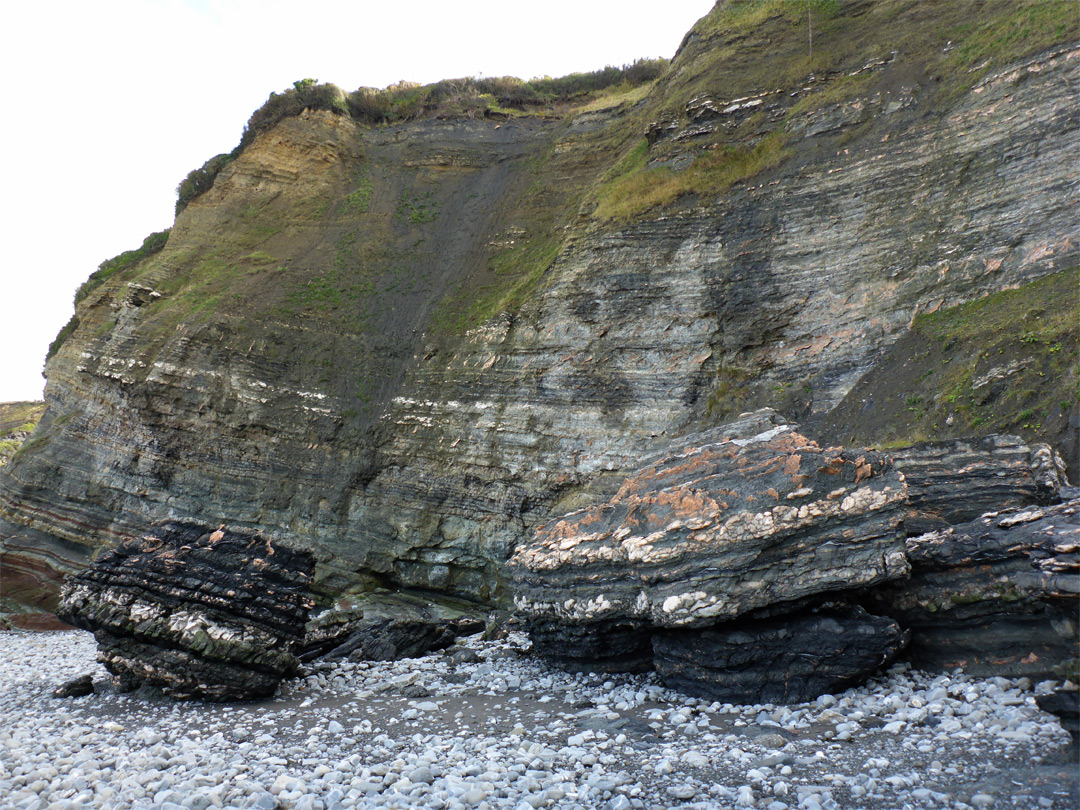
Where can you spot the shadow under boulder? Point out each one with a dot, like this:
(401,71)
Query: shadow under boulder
(782,660)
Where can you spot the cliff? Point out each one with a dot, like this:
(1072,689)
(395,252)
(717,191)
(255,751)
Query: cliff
(402,346)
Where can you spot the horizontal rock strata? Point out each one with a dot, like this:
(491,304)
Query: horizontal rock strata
(430,467)
(995,596)
(195,611)
(956,481)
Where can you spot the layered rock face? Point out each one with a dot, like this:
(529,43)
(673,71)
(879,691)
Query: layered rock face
(953,482)
(788,660)
(215,614)
(405,347)
(723,526)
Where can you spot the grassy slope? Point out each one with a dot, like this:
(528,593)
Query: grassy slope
(746,47)
(17,421)
(1006,363)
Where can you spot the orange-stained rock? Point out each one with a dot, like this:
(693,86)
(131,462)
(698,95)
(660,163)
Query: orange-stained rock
(719,526)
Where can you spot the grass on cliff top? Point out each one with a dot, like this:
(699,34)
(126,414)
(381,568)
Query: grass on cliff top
(1005,363)
(745,47)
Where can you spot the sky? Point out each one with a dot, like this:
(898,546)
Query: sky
(111,103)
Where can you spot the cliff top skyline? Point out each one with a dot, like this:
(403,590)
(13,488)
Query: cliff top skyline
(157,88)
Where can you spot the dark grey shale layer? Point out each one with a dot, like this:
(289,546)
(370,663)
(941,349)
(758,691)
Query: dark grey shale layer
(808,274)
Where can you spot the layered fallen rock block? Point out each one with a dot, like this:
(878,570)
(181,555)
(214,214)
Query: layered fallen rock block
(786,660)
(197,611)
(738,519)
(720,527)
(994,596)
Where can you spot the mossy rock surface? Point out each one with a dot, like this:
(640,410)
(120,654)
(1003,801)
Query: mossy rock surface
(17,422)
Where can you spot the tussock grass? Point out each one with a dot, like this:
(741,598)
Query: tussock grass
(634,188)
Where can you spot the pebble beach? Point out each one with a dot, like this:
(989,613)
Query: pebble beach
(486,725)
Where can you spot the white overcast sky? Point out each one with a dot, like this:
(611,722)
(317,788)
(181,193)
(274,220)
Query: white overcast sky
(109,104)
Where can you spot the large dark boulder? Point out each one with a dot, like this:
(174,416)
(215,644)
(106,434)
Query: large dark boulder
(994,596)
(197,611)
(781,660)
(748,518)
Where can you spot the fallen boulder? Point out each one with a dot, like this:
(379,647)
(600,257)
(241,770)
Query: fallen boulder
(387,626)
(198,612)
(994,596)
(782,660)
(727,522)
(745,518)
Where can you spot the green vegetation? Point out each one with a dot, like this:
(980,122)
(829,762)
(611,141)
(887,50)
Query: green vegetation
(474,97)
(1005,363)
(17,421)
(503,95)
(110,267)
(984,43)
(306,94)
(417,208)
(635,188)
(62,335)
(200,180)
(358,201)
(815,51)
(516,275)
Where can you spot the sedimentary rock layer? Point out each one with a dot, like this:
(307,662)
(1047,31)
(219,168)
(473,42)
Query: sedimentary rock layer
(788,660)
(295,373)
(951,482)
(196,611)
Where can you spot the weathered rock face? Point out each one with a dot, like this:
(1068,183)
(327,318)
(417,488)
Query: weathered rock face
(385,626)
(406,347)
(197,612)
(788,660)
(722,526)
(996,596)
